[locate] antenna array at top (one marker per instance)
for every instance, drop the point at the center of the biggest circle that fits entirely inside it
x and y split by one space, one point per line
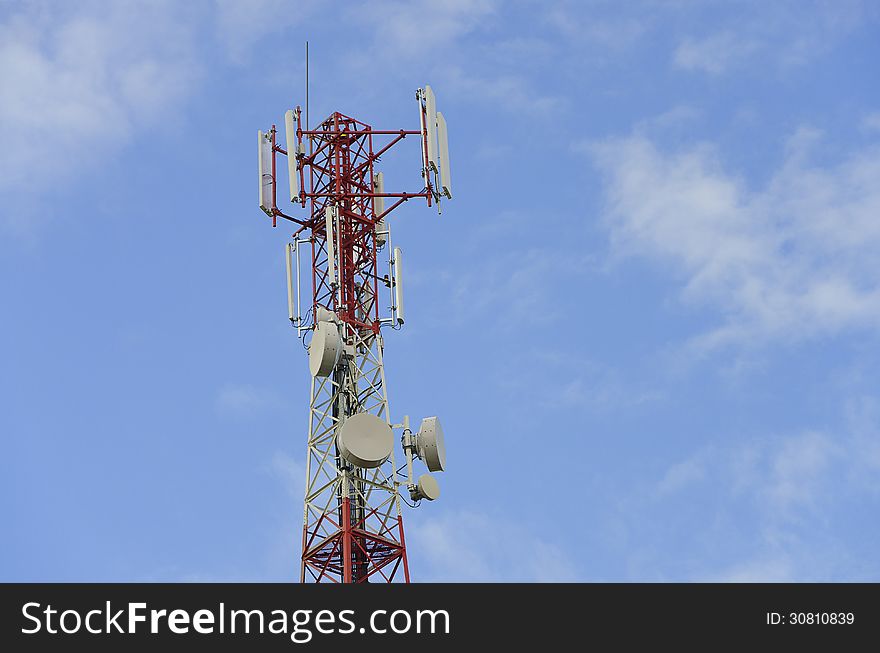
436 145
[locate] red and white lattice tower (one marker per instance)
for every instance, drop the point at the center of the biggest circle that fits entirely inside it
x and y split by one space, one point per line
352 526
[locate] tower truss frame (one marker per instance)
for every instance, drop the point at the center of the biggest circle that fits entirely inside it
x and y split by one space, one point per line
352 520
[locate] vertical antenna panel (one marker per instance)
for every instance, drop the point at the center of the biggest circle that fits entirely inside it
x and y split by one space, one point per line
431 126
398 285
378 187
290 129
331 254
379 209
265 157
445 178
291 314
299 320
420 94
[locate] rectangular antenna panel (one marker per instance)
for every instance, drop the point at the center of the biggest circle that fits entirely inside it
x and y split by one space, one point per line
331 254
291 313
398 285
379 209
266 180
431 127
378 187
445 179
293 173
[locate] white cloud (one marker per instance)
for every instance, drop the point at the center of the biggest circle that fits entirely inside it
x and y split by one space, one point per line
520 288
587 386
243 400
423 27
765 569
242 25
291 472
467 546
793 258
507 91
522 274
77 79
714 54
585 27
785 492
798 469
871 122
863 417
439 41
778 34
683 474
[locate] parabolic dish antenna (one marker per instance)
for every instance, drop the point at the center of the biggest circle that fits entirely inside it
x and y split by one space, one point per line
432 448
428 487
324 349
365 440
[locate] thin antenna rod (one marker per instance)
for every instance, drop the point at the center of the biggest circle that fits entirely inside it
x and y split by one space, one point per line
307 96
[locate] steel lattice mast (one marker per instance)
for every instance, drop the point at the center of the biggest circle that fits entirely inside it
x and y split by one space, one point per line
352 521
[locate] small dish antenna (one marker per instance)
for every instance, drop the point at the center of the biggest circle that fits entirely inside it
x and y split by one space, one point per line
427 488
324 350
365 441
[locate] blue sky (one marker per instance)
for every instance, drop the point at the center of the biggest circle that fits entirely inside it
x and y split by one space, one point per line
648 320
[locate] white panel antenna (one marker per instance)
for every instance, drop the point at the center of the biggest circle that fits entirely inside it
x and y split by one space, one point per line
331 254
266 180
431 127
398 286
291 306
293 173
379 209
445 178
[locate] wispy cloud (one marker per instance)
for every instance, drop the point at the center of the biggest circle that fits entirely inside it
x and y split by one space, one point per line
609 32
765 569
716 53
242 26
777 497
792 258
441 41
768 35
243 400
291 472
509 92
76 81
465 545
871 122
423 27
797 470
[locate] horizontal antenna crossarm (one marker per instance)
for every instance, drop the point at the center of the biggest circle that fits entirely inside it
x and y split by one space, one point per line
360 132
405 196
375 156
289 217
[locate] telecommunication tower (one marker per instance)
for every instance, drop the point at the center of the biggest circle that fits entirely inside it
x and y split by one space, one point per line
342 252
